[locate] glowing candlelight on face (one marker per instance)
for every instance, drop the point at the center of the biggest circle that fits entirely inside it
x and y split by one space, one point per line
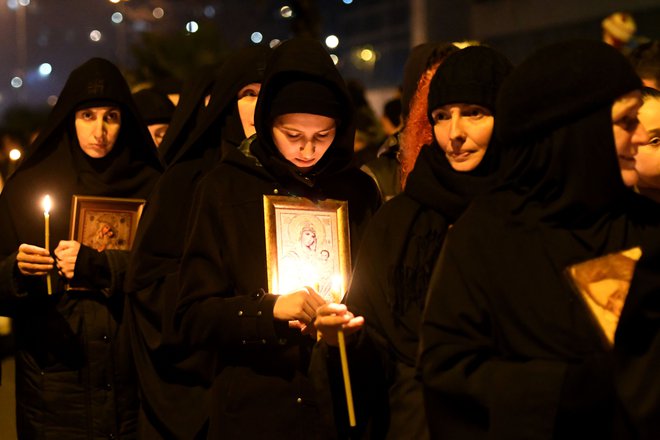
47 205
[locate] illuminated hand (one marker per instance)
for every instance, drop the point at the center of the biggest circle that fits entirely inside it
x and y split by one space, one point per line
67 254
332 317
300 305
33 260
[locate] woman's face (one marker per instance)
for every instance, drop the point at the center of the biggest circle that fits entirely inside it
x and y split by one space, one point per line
648 156
303 138
247 101
629 134
97 129
463 131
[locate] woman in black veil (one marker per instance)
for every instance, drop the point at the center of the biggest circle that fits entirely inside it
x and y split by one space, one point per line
74 372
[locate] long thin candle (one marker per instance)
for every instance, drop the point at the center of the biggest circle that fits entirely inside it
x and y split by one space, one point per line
46 204
347 378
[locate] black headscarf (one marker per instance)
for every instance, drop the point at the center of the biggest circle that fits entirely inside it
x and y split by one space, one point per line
188 112
554 114
320 74
473 76
154 107
421 58
56 165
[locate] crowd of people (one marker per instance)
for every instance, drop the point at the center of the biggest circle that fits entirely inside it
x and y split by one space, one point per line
504 249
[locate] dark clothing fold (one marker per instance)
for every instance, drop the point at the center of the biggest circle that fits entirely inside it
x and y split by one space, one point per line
174 379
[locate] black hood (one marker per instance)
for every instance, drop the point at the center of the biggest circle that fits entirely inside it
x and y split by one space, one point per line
284 68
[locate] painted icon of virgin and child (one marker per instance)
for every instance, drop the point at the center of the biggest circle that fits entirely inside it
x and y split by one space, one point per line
309 257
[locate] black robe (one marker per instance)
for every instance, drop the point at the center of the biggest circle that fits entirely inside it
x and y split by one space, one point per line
262 388
174 390
509 347
74 372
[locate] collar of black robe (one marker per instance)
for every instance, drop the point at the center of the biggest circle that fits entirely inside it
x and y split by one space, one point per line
153 257
305 59
435 184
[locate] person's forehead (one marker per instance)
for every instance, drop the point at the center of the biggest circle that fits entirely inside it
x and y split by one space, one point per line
103 109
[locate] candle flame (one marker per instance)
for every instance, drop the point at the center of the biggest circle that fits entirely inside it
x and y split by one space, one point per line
15 154
46 204
337 287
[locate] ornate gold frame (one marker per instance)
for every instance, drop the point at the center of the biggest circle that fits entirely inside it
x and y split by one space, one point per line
118 208
282 214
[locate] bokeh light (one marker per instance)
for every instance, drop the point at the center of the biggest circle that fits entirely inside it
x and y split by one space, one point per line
332 41
209 12
286 11
367 55
158 13
192 27
16 82
95 35
256 37
335 58
45 69
117 17
14 154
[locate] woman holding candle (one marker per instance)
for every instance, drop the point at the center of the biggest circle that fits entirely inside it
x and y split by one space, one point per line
303 148
74 376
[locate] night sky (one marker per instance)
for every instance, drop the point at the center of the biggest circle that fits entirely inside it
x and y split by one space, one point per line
58 32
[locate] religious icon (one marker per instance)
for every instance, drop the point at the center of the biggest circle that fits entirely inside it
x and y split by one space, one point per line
105 223
307 244
603 284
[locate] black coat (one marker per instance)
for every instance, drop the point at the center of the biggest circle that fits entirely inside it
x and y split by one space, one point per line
262 388
74 371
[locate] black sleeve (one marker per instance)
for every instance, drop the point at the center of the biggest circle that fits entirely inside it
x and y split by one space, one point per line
13 285
471 389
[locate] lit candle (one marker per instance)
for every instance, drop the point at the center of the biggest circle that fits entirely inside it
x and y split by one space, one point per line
46 205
